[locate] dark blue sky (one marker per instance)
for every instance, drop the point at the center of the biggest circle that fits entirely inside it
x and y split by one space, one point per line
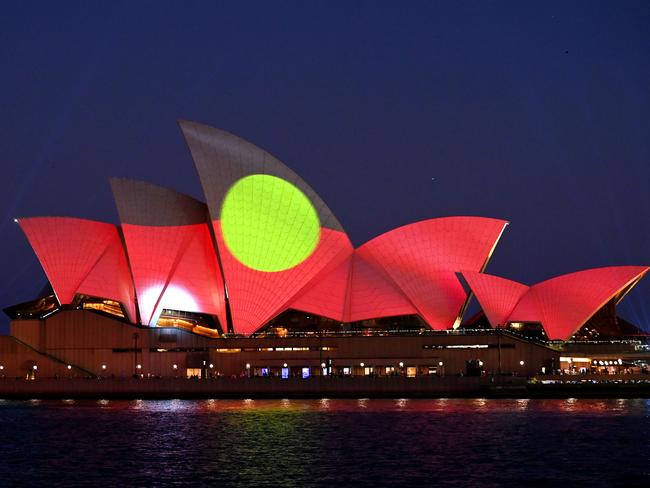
536 112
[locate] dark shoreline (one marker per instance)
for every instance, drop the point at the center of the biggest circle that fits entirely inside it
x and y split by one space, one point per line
324 387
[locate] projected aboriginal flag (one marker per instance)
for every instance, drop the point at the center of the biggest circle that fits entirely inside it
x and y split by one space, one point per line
274 233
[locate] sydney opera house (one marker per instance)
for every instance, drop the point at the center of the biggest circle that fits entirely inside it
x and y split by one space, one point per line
260 279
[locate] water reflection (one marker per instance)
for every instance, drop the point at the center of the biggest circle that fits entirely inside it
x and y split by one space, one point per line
480 403
569 406
326 442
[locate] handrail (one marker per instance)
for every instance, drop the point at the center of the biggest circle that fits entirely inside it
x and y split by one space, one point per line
54 358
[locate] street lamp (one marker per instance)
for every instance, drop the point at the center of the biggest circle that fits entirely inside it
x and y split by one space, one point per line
135 352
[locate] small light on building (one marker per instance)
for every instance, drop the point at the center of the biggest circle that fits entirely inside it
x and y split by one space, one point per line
480 363
139 366
284 365
248 365
322 365
103 366
211 365
2 367
440 363
362 365
175 366
620 361
69 366
34 367
16 221
401 364
521 363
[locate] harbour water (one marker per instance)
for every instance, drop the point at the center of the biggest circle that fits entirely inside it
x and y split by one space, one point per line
302 443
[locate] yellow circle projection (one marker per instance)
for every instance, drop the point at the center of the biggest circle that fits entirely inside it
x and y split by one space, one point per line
268 224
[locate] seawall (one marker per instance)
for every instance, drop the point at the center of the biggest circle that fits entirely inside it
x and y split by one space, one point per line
327 387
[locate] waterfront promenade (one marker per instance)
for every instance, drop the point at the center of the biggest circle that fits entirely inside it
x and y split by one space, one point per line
593 386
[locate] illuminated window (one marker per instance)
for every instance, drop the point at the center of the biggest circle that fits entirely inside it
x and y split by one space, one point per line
305 373
110 307
411 371
575 360
193 372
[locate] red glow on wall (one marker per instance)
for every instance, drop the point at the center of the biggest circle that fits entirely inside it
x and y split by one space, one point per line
327 296
354 290
373 294
563 304
174 267
410 270
422 260
258 296
81 256
497 296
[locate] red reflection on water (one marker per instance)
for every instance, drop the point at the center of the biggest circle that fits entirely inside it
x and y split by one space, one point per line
485 406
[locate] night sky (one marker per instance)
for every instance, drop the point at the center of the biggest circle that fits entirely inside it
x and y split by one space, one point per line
534 112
